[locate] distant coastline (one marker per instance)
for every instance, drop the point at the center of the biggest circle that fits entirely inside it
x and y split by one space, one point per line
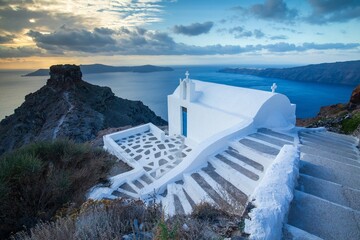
346 73
100 68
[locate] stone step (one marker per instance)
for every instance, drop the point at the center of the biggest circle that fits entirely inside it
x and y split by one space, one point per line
189 199
195 191
263 159
240 181
330 191
337 150
342 136
322 139
234 191
323 218
168 204
138 183
263 142
244 160
218 199
147 179
338 137
129 187
332 171
186 205
276 134
293 233
179 210
266 138
242 170
124 194
223 191
318 152
340 159
259 147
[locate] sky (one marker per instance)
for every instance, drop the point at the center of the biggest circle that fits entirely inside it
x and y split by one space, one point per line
38 33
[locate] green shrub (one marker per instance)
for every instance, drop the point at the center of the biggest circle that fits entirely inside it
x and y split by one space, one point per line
349 125
39 179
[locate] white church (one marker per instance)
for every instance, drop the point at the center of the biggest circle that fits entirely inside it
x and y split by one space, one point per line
229 145
197 110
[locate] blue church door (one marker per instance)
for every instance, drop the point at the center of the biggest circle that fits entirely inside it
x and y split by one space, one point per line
184 121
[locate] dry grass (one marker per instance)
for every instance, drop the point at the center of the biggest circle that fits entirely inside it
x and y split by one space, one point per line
98 220
112 219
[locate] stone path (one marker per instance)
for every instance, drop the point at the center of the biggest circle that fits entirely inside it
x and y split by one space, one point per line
62 119
230 176
155 155
327 199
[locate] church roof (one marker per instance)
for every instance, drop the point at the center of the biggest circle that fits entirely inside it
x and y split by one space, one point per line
234 100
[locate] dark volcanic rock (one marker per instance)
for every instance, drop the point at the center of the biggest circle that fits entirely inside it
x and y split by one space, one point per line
355 96
68 107
64 76
339 72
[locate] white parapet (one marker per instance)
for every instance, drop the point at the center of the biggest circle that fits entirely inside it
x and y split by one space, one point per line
273 196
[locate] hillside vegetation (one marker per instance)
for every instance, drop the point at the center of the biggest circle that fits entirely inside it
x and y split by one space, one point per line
39 179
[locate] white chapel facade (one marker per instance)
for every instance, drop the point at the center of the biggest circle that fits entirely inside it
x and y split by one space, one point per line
198 110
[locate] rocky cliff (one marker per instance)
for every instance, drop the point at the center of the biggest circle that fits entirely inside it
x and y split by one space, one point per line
68 107
347 73
340 118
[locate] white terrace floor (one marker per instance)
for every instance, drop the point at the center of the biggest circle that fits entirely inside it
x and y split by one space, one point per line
156 156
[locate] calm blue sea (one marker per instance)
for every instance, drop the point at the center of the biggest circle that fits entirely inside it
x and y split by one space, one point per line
152 88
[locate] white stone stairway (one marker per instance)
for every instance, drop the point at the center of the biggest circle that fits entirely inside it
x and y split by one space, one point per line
326 202
230 176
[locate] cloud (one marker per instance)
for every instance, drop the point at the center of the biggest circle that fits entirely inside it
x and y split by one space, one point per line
278 37
333 11
275 10
11 52
104 31
288 47
6 38
194 29
67 39
17 19
47 15
287 29
327 46
140 41
240 32
258 33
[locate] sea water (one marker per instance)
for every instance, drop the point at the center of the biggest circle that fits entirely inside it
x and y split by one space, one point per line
153 88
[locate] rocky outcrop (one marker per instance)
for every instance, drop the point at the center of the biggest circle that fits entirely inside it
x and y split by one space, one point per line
68 107
355 96
340 118
347 73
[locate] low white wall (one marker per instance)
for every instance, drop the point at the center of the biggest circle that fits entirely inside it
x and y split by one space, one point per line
273 196
129 132
160 134
111 146
199 156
